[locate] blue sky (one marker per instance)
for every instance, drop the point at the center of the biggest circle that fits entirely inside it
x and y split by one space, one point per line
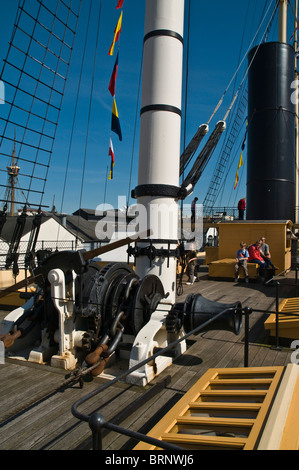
220 34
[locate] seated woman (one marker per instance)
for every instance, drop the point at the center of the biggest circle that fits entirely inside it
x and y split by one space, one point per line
256 257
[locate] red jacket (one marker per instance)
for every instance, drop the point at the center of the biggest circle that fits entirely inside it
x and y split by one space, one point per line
254 253
242 204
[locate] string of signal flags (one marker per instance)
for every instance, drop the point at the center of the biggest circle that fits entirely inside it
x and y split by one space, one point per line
115 123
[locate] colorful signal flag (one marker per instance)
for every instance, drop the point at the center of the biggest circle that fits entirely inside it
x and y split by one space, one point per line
117 32
115 124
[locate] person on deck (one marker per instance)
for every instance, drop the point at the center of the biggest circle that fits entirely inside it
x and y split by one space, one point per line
241 208
241 261
191 268
265 253
256 257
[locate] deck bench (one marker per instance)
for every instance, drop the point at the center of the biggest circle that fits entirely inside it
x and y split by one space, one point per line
224 268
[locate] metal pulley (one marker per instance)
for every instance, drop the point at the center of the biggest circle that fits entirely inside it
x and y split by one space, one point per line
149 294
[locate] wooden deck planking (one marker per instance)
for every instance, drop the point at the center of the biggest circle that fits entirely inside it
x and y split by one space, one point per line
75 433
50 424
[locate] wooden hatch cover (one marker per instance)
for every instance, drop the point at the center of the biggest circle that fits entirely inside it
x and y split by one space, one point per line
225 409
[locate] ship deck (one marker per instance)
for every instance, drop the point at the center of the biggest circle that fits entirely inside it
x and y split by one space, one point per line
36 413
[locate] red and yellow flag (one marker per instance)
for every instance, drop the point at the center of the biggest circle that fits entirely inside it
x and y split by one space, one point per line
237 174
113 78
117 32
115 124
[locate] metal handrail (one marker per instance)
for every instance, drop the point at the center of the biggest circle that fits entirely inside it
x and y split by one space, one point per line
97 423
96 420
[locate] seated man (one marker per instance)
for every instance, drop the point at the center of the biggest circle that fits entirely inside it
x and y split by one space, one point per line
265 253
256 257
241 261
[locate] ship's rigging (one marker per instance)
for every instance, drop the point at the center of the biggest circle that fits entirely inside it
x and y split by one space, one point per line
35 72
235 122
39 56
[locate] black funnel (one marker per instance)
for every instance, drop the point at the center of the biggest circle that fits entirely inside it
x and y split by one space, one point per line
271 161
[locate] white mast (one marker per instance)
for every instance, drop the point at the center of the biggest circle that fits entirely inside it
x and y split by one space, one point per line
160 137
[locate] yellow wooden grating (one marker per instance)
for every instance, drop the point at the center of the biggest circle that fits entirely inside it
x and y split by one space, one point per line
289 305
225 409
288 324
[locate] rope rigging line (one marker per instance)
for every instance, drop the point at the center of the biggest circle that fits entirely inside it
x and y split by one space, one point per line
134 135
5 62
248 68
240 64
186 156
75 117
90 102
36 114
70 11
189 151
187 74
225 154
55 17
89 115
206 153
48 84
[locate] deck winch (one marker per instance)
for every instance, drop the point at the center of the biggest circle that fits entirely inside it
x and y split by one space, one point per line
84 313
79 306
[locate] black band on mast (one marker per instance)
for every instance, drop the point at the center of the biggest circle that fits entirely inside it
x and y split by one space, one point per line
159 190
161 107
163 32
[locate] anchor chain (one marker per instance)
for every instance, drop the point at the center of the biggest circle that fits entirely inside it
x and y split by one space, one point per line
98 359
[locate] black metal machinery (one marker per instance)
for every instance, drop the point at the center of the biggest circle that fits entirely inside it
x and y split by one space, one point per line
197 311
96 308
